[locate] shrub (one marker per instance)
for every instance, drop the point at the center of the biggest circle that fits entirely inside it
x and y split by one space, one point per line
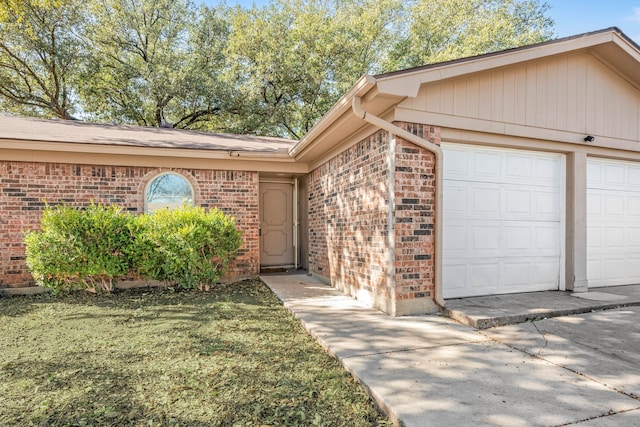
79 248
91 248
186 246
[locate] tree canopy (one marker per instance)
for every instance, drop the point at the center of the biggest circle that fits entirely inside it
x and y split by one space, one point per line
272 70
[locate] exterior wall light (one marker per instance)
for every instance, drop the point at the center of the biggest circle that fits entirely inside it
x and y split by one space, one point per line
589 138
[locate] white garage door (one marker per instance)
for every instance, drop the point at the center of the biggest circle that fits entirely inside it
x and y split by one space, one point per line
613 222
503 221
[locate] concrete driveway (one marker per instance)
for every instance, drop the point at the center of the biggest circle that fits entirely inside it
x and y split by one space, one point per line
431 371
602 347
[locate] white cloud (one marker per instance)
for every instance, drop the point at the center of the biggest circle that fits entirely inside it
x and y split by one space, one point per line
635 17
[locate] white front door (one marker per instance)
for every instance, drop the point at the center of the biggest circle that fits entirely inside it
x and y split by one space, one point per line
613 222
503 220
276 224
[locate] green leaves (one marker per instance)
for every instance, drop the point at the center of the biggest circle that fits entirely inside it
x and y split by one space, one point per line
293 59
273 70
91 248
188 246
39 50
79 248
150 62
442 30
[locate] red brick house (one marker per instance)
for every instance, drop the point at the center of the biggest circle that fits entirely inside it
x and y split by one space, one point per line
515 171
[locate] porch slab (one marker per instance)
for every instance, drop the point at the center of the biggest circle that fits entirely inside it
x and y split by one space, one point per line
500 310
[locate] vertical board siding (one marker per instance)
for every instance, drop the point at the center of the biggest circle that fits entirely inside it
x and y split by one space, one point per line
575 93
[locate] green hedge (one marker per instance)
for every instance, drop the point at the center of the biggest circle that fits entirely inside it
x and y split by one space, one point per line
189 246
90 248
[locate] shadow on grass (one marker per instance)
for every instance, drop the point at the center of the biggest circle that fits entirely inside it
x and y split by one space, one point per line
160 357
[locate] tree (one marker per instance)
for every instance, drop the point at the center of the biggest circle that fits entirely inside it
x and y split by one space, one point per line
39 53
154 62
441 30
273 70
293 59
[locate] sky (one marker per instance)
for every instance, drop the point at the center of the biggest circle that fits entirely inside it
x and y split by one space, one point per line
571 16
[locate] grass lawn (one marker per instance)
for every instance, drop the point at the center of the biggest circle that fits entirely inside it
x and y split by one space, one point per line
232 356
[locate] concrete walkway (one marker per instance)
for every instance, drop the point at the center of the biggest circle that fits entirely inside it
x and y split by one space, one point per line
431 371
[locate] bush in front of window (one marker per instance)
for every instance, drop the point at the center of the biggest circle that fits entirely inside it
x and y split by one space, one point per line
75 248
188 247
93 247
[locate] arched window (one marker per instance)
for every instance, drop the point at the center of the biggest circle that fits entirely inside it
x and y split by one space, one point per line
168 190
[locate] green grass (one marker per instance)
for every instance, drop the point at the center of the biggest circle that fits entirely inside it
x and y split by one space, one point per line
232 356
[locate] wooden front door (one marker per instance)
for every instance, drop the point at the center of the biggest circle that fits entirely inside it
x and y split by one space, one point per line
276 224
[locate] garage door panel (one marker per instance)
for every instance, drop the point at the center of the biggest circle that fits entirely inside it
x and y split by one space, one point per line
613 222
546 271
517 274
594 270
594 204
457 277
613 174
547 239
633 176
500 166
633 207
456 164
594 239
518 201
613 271
613 268
486 201
490 239
486 239
486 277
594 175
613 238
633 238
502 220
486 166
548 171
457 200
547 204
519 167
614 205
519 238
456 240
634 268
471 200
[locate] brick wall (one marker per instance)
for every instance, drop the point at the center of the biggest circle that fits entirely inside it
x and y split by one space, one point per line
24 186
374 248
414 215
348 219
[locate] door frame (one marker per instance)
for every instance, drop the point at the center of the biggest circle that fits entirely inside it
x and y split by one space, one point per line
294 206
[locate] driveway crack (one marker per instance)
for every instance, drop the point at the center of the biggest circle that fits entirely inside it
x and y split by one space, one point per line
575 371
543 337
608 414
